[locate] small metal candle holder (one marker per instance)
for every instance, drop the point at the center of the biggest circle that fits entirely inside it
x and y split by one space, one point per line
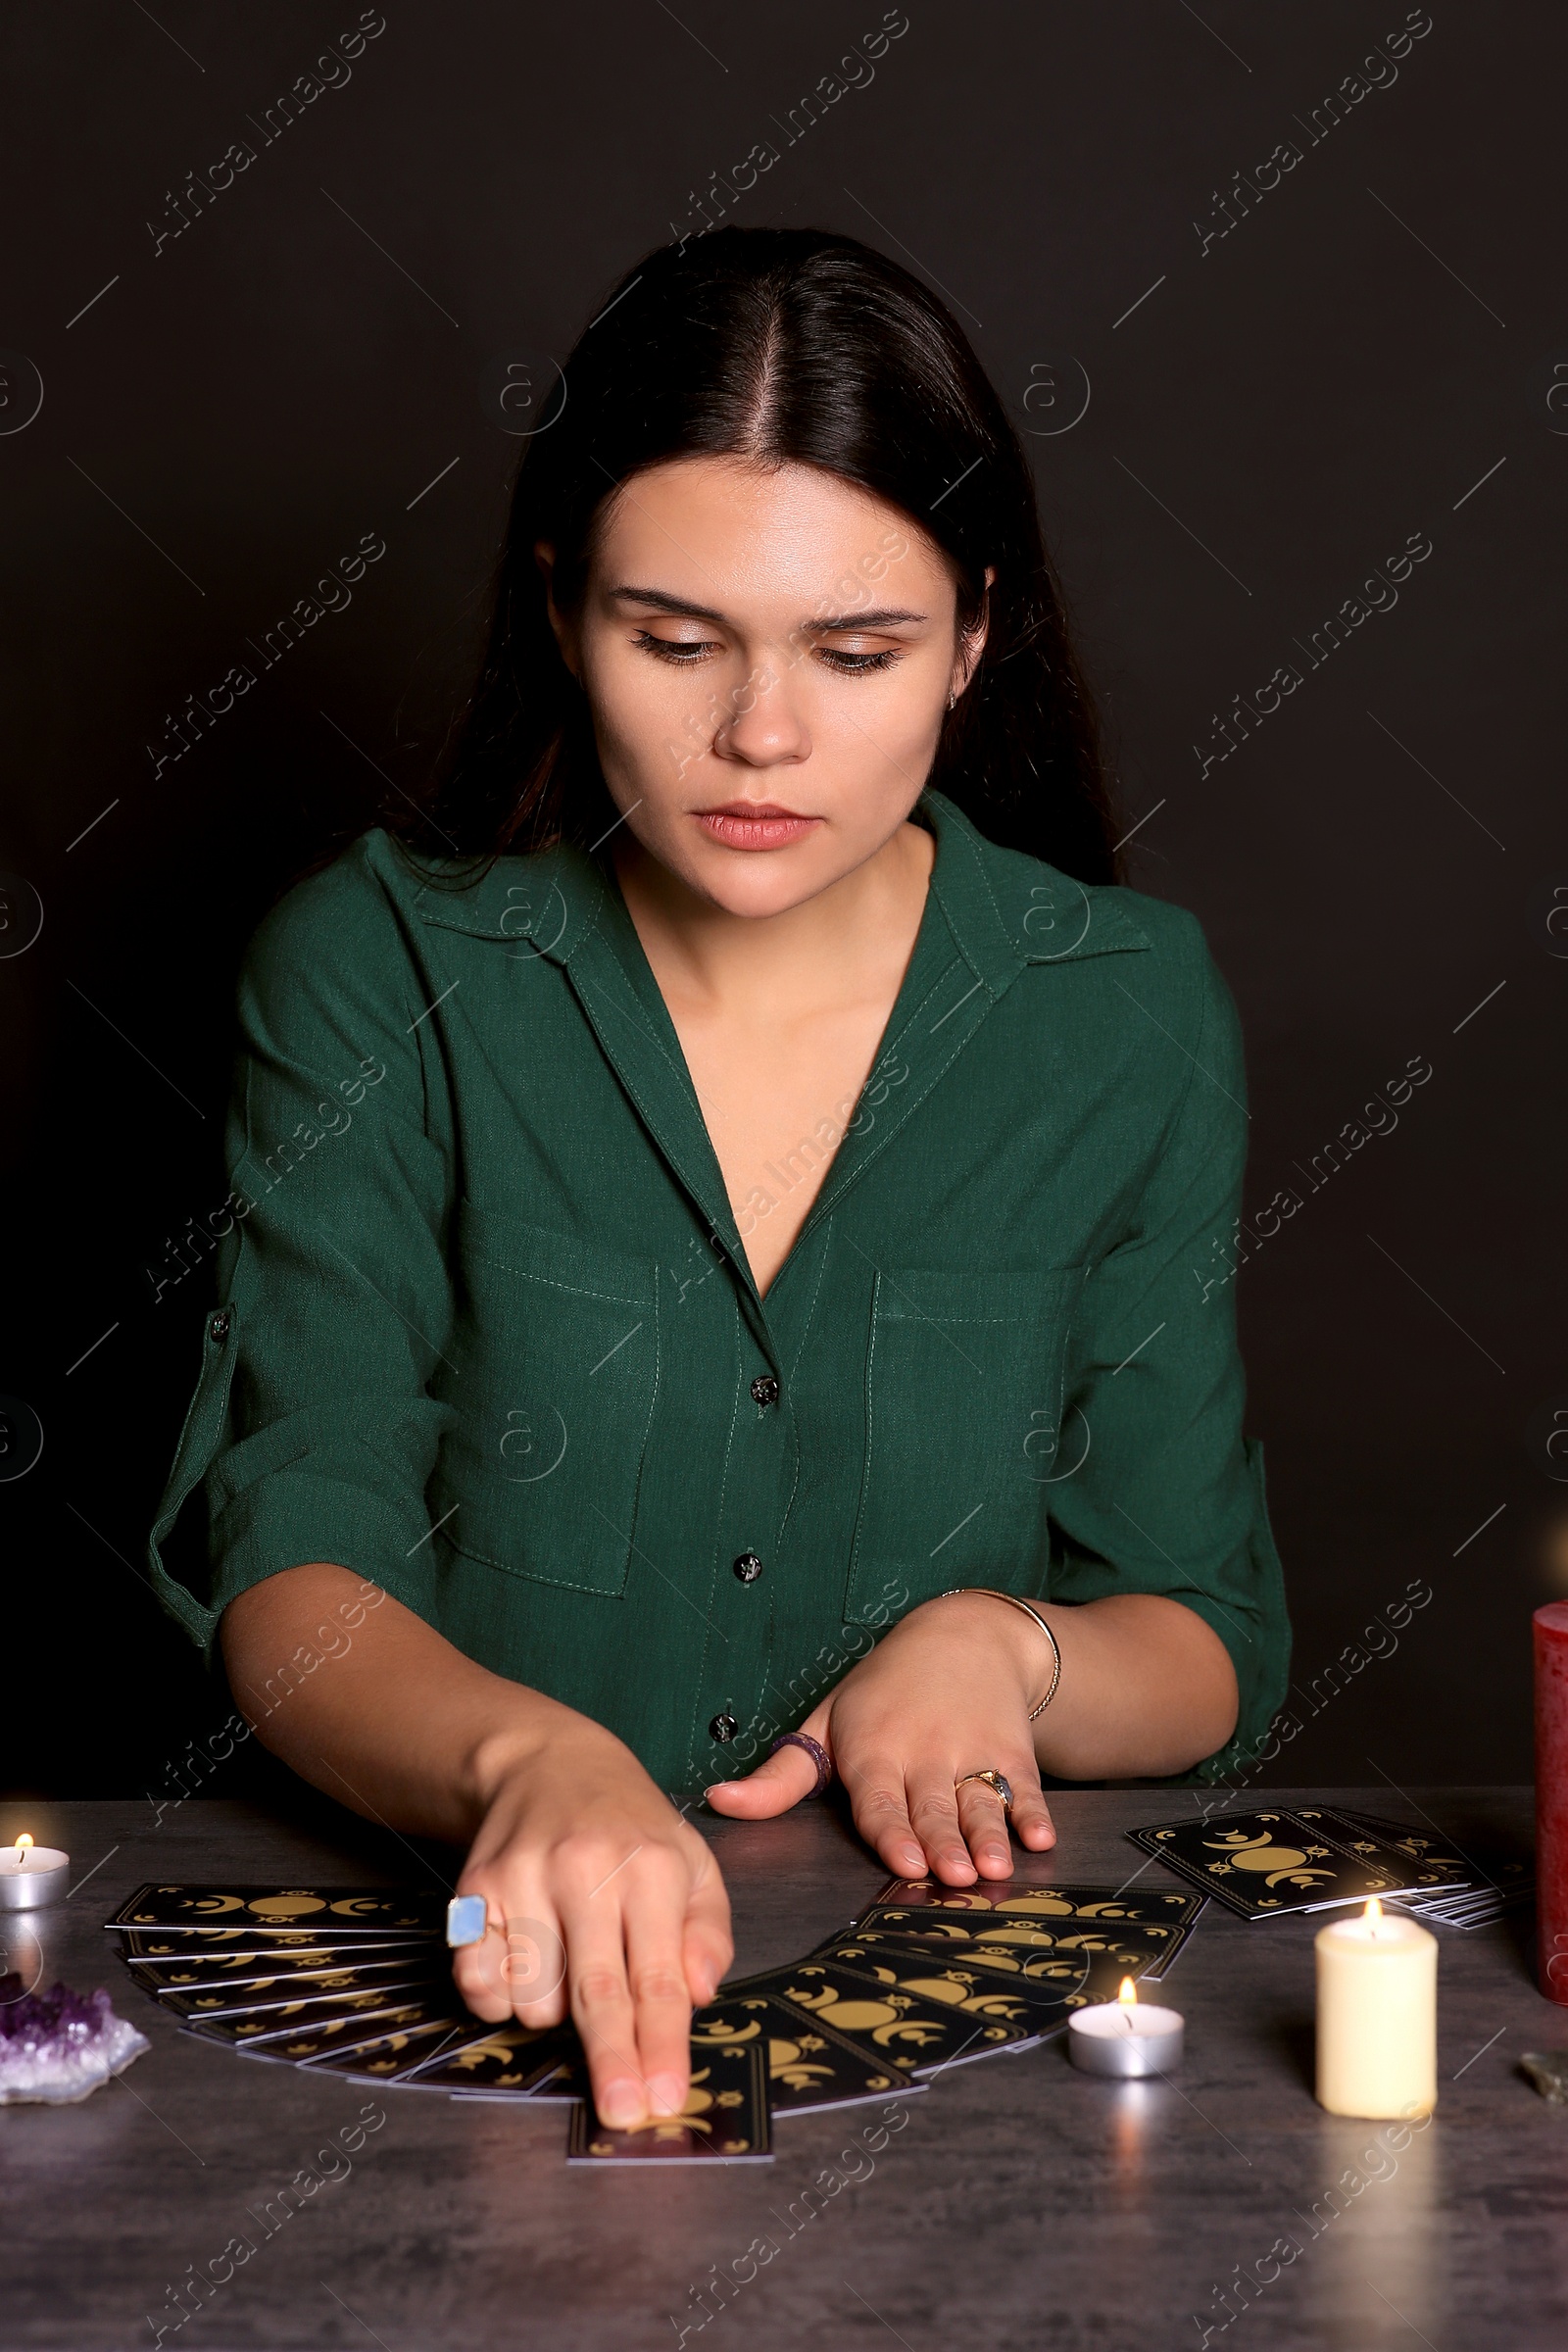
1126 2039
31 1876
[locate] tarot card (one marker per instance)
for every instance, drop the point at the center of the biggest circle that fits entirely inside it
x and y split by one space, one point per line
1264 1865
504 2061
1053 1969
1069 1979
1010 1933
1436 1863
386 2057
724 2119
1507 1886
972 1931
348 1911
1172 1952
562 2084
1012 1899
311 2028
809 2066
289 1992
244 1948
909 2032
236 1971
516 2056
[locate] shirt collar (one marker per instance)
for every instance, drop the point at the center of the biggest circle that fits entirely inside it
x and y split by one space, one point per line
989 915
1008 910
550 900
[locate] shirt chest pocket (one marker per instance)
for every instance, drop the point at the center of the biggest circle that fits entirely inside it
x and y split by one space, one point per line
553 1381
963 1441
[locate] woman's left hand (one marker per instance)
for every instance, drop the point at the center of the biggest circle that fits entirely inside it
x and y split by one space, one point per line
946 1692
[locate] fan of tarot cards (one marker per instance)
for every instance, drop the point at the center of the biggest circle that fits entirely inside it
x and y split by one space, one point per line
357 1980
1312 1857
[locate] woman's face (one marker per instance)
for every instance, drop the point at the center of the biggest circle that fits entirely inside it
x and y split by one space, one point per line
767 655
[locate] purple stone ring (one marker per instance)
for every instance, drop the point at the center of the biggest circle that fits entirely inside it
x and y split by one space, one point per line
815 1749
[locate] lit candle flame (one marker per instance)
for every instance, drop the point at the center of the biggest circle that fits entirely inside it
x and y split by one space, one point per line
1128 1995
1373 1913
23 1843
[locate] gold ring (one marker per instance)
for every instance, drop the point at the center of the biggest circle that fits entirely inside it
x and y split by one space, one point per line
997 1782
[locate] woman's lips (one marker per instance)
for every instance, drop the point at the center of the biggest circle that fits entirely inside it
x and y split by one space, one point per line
758 825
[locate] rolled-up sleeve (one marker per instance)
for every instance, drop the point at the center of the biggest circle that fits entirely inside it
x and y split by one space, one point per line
1160 1491
312 1433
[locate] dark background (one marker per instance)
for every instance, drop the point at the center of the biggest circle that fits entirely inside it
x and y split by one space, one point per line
1268 418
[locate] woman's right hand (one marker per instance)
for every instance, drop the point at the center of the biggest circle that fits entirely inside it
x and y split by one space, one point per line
613 1905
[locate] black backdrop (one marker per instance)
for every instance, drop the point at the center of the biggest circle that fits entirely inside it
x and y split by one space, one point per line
1271 291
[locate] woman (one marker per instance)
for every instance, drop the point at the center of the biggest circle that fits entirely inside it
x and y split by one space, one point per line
754 1187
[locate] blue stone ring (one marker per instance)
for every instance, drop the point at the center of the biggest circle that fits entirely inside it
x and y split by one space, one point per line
466 1918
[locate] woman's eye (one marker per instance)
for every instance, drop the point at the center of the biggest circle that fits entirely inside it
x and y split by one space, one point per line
685 651
673 649
854 664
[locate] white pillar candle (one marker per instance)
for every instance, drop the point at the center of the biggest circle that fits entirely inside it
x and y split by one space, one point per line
1377 2016
31 1876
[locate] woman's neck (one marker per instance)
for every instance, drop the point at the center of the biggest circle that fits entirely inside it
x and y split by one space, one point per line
829 951
780 1018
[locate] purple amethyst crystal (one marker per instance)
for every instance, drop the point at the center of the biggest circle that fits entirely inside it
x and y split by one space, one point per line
59 2046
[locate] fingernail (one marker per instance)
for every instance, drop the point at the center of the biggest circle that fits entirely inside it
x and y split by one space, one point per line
666 2096
620 2104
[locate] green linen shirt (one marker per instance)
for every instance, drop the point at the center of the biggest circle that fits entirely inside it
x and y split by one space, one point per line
486 1334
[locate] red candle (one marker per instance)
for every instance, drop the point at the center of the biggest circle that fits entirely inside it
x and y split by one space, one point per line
1551 1799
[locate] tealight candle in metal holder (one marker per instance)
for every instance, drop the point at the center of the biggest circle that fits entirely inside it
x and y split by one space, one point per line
31 1876
1125 2037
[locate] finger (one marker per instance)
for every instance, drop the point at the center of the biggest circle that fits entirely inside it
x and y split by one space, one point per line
478 1970
934 1818
983 1819
876 1799
661 2006
482 1971
535 1969
602 2009
1032 1824
708 1946
778 1782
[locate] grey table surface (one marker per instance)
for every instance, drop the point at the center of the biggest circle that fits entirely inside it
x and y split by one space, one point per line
1019 2203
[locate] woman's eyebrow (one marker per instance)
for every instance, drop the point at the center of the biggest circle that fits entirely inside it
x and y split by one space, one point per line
885 617
666 603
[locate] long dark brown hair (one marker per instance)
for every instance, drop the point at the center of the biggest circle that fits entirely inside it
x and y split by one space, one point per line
780 346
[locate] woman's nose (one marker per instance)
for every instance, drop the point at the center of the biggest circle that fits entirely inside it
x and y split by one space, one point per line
761 724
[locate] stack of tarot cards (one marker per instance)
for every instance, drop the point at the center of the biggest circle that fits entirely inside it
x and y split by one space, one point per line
358 1981
1489 1884
1269 1864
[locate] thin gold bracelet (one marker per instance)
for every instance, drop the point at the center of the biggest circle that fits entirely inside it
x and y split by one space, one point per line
1029 1610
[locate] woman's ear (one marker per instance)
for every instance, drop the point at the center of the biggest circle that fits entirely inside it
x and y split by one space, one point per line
544 554
972 640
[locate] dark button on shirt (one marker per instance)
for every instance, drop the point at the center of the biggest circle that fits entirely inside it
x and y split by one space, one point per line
764 1390
490 1305
724 1729
748 1567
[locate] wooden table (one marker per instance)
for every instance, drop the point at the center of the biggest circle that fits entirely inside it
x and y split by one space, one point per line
1018 2204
